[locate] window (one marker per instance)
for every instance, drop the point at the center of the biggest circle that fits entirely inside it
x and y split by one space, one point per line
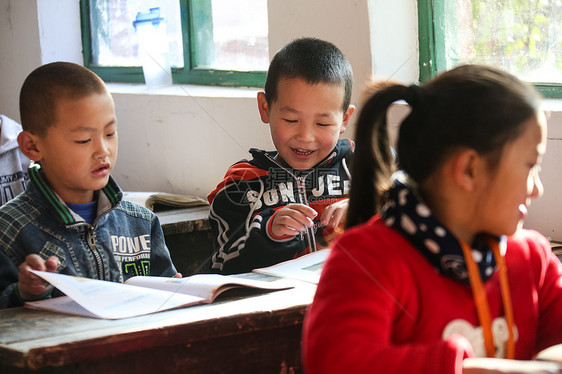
211 42
521 36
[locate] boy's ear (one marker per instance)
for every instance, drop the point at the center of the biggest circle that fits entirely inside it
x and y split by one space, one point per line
263 107
28 145
346 118
467 168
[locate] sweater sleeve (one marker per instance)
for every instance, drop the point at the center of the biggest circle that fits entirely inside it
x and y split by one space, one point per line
359 301
549 280
240 227
8 282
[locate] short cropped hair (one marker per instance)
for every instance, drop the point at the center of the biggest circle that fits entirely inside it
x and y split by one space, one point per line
315 60
47 85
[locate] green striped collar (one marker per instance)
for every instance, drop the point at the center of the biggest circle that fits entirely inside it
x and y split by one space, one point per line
111 191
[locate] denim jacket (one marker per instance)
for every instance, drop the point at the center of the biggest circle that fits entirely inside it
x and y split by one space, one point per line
124 240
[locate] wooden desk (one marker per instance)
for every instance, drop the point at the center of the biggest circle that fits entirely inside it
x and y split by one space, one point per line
187 233
259 334
180 221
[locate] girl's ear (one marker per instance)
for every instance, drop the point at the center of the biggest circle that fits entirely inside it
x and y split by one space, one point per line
28 145
467 168
346 118
263 107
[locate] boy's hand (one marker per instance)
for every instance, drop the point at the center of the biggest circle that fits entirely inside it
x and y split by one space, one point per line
292 219
30 285
333 214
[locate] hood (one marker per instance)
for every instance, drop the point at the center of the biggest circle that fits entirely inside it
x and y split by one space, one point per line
9 133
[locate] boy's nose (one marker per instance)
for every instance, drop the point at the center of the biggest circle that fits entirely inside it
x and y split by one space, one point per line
305 133
102 150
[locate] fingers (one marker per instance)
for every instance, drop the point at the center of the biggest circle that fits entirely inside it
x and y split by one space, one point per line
52 264
35 262
292 219
334 214
177 275
31 285
305 210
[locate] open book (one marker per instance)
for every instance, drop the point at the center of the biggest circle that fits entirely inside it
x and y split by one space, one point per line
139 295
145 294
305 268
491 365
553 354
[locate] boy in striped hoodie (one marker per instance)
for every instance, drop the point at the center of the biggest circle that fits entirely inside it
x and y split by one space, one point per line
289 202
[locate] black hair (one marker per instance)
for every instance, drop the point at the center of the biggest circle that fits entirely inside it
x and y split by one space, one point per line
471 106
316 61
45 86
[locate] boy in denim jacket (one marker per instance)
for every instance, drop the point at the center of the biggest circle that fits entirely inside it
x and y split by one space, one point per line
71 218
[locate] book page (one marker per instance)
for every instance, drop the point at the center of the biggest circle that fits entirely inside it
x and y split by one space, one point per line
63 304
306 268
486 365
553 354
110 300
206 286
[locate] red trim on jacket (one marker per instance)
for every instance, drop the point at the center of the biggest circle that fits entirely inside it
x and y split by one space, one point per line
242 171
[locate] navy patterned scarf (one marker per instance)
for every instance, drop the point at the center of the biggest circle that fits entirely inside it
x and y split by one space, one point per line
406 213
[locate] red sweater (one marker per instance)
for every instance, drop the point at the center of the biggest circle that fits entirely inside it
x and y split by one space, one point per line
381 307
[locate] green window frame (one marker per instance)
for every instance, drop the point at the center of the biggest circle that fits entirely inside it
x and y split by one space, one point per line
193 12
433 15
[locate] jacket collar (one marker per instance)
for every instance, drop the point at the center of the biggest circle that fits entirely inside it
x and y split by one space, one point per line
263 159
108 199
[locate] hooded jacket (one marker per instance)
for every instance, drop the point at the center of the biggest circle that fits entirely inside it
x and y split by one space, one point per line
252 192
124 240
13 164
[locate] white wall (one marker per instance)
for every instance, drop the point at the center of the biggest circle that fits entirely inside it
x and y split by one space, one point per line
394 40
344 23
20 50
545 214
183 138
183 143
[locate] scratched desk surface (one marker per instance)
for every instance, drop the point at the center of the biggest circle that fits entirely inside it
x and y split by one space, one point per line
259 333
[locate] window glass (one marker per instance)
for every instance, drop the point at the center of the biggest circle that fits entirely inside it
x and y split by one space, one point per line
211 42
239 37
520 36
115 41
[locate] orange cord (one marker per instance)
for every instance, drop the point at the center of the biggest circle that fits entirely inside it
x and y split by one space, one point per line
506 298
481 301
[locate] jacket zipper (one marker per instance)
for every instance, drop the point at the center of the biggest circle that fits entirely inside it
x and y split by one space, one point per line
97 257
301 194
302 199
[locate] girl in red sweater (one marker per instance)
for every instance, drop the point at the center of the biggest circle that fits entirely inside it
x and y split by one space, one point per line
434 268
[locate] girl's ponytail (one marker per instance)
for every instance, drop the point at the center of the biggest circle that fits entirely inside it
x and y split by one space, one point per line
471 106
373 161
